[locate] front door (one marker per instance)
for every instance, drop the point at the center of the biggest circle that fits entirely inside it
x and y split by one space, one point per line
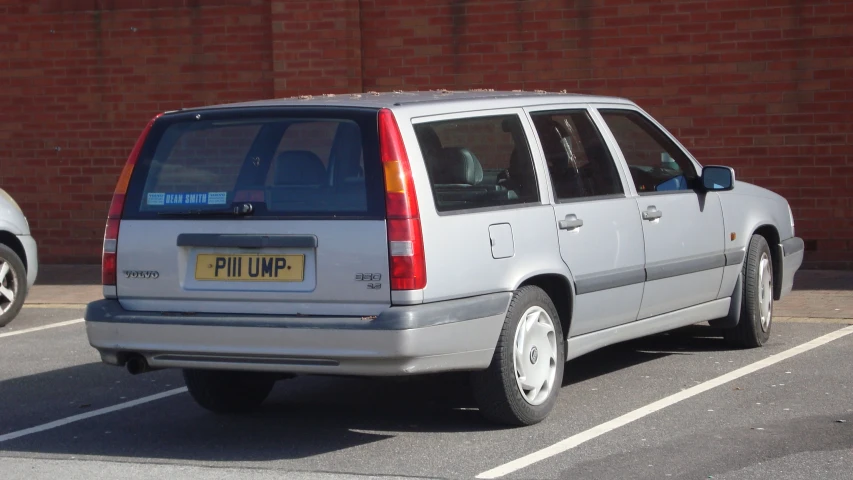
683 227
600 231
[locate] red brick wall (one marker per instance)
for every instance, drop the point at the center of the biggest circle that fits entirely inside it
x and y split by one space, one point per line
316 46
78 85
765 86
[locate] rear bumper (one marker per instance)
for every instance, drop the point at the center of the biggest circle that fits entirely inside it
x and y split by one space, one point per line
792 259
406 340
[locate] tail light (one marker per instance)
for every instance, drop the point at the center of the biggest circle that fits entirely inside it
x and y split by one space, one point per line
405 238
108 256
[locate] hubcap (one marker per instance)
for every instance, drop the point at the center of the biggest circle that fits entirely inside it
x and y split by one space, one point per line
8 287
765 291
535 355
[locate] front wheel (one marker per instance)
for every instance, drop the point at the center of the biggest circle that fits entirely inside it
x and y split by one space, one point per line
521 384
228 391
756 315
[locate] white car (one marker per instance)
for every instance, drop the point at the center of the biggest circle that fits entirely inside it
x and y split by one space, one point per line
18 258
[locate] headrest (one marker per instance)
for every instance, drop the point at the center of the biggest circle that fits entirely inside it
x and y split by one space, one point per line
510 125
299 167
455 165
346 151
428 140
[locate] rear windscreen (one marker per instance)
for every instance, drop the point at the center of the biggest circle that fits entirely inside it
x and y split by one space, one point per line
297 163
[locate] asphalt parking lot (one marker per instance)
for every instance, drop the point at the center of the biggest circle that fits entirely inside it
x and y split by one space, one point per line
679 405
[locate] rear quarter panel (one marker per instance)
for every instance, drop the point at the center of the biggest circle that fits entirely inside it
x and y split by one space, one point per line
459 254
457 245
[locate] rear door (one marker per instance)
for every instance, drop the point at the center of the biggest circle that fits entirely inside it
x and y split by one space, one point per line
600 232
257 211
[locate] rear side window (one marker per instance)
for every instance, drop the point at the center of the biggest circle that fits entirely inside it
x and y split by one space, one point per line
285 164
579 161
479 162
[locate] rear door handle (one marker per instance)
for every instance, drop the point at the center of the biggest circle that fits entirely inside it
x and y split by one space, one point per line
571 222
652 213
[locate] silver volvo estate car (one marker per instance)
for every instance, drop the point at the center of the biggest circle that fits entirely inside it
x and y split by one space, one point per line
497 233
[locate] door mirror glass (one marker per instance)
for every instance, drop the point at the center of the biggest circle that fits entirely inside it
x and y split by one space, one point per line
674 183
716 178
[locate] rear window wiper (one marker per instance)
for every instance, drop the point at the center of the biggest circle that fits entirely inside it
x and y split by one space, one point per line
239 210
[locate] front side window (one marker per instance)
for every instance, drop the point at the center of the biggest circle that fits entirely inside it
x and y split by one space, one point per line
655 162
578 160
478 162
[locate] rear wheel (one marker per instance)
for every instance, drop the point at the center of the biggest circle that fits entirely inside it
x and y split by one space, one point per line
228 391
756 315
521 384
13 285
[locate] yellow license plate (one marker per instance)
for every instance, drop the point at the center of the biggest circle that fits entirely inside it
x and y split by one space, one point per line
250 268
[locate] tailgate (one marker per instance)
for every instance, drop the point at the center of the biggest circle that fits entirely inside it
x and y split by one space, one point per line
264 211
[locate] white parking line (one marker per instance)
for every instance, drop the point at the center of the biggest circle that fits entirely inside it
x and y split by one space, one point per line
43 327
55 306
575 440
93 413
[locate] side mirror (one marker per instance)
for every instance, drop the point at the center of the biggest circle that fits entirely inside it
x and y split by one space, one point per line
717 178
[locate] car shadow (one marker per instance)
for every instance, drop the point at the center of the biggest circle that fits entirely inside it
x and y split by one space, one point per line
683 341
303 417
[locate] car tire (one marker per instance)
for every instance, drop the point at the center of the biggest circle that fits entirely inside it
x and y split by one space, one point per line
228 391
506 392
756 314
13 281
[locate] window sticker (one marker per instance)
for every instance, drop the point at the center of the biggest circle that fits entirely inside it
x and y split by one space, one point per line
156 198
193 198
216 198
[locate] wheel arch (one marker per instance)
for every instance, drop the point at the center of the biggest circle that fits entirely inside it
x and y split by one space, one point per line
10 240
771 234
561 291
